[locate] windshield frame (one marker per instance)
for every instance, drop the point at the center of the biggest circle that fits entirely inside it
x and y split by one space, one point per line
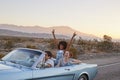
28 52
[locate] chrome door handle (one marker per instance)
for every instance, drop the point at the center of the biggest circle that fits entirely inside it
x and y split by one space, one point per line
67 69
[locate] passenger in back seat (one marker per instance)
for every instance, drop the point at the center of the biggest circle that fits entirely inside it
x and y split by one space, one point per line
67 61
62 46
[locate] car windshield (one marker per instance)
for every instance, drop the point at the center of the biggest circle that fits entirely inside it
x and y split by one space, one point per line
23 57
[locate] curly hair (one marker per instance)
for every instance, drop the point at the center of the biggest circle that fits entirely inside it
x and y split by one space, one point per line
63 43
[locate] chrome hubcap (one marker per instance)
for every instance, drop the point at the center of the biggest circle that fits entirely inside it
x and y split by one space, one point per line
82 79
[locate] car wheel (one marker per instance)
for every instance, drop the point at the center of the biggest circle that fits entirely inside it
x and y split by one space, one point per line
83 77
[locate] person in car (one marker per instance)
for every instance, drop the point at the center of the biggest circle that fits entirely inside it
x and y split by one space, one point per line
48 61
62 46
67 61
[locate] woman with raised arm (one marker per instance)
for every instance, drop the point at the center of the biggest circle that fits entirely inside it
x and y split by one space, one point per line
62 46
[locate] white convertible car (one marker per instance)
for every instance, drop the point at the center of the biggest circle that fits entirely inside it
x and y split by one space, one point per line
27 64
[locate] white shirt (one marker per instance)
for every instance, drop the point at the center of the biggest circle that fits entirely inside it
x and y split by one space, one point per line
50 61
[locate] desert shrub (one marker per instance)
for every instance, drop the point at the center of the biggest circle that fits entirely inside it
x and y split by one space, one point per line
31 46
105 46
73 52
1 55
31 39
107 38
116 47
52 45
9 44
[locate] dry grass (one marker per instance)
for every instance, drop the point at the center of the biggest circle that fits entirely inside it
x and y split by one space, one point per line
1 55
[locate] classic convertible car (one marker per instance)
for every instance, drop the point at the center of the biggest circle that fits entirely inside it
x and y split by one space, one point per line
27 64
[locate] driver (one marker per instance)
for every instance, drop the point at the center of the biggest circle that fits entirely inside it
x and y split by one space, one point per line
48 61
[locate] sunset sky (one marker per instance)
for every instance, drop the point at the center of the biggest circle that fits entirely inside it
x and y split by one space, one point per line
97 17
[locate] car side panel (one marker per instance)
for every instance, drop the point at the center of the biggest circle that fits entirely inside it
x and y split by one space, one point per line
61 73
21 75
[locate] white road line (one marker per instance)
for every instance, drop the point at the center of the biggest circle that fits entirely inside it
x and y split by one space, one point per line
107 65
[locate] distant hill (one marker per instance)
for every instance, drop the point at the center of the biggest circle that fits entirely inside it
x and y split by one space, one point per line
38 31
5 32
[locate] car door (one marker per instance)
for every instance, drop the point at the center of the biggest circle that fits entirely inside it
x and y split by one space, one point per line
24 75
59 73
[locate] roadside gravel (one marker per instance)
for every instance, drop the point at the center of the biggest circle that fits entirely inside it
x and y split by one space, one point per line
89 56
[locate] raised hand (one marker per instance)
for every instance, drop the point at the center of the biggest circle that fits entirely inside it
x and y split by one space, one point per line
53 31
74 34
55 40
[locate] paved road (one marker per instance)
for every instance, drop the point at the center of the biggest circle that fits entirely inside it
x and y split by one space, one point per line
109 72
108 68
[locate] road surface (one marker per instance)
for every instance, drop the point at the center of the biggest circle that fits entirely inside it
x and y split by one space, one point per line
108 68
109 72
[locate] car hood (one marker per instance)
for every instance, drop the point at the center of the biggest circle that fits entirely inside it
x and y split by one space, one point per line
6 68
9 72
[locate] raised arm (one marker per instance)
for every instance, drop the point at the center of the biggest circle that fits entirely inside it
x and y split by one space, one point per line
55 40
70 42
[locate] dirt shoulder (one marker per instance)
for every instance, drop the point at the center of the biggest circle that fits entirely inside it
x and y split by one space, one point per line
89 56
101 58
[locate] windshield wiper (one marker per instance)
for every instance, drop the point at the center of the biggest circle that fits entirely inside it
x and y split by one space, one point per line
16 64
13 61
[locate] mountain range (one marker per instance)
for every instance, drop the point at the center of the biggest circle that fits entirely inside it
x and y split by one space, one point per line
42 32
